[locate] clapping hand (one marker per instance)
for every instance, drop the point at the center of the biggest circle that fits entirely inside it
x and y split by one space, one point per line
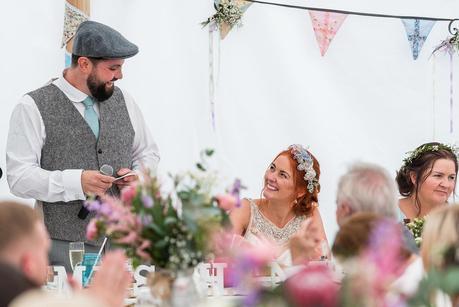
305 244
111 280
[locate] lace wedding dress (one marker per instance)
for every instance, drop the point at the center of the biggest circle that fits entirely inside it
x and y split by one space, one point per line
260 229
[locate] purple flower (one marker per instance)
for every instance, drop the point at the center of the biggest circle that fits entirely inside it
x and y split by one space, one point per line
146 220
105 209
147 201
252 298
235 191
92 205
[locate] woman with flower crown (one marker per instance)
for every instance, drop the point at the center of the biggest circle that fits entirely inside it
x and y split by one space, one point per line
289 198
426 179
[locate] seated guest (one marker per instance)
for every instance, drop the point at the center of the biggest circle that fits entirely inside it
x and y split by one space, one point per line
24 242
426 179
291 186
440 233
12 284
24 247
355 237
364 187
441 230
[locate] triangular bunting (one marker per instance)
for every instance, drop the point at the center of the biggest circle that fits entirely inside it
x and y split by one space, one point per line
73 16
225 27
417 31
325 26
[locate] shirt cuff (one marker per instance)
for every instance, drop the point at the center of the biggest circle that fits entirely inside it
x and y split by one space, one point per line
72 185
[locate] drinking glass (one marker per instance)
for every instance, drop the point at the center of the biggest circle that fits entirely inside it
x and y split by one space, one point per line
76 252
51 280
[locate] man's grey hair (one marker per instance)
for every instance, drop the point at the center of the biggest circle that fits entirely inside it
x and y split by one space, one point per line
368 187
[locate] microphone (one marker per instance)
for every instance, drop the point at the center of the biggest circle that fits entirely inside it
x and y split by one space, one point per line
105 170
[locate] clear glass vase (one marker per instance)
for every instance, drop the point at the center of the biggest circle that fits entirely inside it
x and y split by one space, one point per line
160 283
184 289
173 289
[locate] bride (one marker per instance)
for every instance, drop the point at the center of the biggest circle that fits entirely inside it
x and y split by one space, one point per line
289 197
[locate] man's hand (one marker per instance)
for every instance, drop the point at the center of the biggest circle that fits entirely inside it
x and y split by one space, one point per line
111 280
304 244
93 182
126 180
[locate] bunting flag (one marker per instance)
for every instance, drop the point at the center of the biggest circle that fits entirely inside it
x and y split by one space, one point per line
224 26
76 11
326 25
417 31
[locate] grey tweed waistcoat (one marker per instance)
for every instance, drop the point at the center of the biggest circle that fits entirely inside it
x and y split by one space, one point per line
71 144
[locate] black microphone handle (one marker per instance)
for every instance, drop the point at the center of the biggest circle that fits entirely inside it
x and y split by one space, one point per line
83 213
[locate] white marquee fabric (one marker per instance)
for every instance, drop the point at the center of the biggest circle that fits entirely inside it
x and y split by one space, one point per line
366 99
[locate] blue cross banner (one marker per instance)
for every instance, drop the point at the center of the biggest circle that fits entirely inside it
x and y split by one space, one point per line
417 31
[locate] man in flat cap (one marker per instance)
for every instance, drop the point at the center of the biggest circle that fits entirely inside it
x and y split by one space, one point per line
63 133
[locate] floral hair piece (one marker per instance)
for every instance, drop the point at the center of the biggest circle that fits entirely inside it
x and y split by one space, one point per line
305 163
412 155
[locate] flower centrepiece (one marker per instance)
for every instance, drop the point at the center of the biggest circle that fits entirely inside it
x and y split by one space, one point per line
170 230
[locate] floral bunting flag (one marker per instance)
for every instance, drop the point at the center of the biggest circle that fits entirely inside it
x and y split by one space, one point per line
326 25
76 11
227 24
417 31
72 19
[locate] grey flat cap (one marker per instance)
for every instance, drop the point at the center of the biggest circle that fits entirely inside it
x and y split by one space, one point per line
96 40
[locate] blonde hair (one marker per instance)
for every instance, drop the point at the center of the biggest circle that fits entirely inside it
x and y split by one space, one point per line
17 221
441 230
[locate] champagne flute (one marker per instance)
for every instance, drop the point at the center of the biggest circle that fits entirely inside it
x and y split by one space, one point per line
76 252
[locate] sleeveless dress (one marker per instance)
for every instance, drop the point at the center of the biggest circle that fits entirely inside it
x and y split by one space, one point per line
260 228
400 215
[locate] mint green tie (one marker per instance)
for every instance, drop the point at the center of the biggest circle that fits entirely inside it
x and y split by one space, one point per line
90 116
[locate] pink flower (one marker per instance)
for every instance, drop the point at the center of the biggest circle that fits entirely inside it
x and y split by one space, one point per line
91 230
129 239
140 251
259 254
313 286
128 194
227 201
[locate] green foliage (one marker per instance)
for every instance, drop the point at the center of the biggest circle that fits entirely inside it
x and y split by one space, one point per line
415 226
435 281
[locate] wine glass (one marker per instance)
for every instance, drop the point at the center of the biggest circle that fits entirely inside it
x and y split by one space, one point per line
76 252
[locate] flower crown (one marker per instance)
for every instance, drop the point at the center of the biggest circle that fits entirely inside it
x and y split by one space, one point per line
305 163
412 155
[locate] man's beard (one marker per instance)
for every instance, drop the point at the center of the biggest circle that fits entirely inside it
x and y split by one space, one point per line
99 89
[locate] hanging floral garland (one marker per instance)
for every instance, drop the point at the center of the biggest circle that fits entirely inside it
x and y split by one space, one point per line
227 12
450 45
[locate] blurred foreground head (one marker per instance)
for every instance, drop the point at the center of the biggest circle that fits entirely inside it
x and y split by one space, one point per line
366 187
24 241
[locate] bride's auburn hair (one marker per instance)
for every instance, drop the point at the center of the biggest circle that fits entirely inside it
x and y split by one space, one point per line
307 202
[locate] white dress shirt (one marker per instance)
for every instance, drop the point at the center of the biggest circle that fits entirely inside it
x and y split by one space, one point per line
26 138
